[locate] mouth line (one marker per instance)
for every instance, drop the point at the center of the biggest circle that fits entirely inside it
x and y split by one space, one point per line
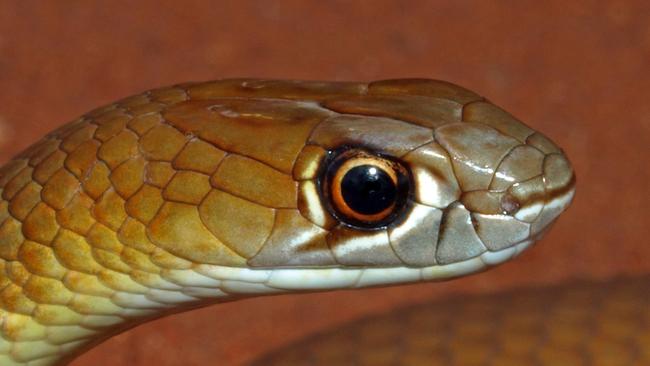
561 191
558 199
271 280
563 198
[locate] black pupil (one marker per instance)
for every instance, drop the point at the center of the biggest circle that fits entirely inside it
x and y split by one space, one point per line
368 190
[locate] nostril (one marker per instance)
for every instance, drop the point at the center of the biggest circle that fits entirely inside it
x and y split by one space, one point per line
509 204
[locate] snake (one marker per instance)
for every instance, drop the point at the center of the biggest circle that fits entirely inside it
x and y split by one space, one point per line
579 323
209 192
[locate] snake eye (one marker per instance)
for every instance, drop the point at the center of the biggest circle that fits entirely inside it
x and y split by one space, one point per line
365 190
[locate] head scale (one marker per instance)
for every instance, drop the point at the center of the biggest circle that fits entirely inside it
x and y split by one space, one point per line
392 181
451 183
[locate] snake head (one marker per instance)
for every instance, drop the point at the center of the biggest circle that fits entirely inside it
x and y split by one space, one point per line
405 180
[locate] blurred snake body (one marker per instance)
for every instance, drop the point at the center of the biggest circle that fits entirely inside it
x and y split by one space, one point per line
202 193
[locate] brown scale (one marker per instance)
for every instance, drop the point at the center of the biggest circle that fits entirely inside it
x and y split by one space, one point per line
581 324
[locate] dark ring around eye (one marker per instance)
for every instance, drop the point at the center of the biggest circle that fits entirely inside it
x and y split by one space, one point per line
365 190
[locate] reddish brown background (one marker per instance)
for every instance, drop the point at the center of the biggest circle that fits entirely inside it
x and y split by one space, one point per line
579 73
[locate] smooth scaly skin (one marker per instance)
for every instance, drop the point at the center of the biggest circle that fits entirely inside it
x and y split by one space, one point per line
581 324
209 192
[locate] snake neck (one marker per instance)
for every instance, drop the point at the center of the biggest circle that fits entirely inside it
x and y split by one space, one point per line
38 326
41 327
